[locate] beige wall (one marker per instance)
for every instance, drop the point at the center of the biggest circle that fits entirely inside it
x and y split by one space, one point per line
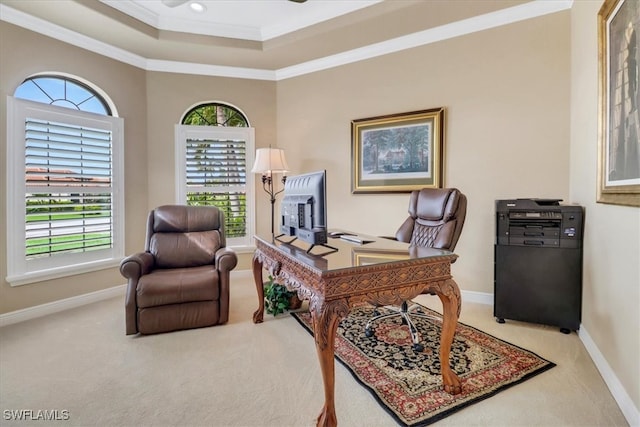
611 284
25 53
506 94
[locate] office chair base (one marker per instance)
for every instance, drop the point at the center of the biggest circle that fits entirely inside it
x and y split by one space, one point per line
404 312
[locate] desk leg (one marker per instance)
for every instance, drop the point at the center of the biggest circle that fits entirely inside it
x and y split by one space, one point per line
449 294
257 277
325 323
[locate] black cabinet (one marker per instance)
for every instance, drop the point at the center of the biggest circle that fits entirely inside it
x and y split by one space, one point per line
538 262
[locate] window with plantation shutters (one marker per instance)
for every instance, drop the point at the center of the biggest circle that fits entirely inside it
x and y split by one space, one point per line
64 187
68 176
213 152
212 171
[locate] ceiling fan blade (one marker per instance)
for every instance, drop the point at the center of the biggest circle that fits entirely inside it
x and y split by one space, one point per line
173 3
298 1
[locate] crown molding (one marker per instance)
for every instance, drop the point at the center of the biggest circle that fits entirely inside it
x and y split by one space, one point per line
62 34
499 18
209 70
444 32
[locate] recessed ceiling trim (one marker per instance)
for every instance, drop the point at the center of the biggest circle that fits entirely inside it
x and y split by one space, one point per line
238 31
215 30
479 23
132 9
339 8
432 35
209 70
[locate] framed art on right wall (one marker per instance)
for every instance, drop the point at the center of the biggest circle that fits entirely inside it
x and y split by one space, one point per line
619 99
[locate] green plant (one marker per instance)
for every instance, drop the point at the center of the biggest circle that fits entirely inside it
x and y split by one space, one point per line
276 296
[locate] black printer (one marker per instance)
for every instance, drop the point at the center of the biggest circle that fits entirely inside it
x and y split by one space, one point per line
539 222
538 262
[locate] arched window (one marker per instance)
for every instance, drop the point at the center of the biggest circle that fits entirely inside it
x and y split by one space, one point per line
215 147
65 168
64 92
215 114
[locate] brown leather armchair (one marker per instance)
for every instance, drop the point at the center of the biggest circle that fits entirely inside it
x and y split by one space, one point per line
181 280
436 217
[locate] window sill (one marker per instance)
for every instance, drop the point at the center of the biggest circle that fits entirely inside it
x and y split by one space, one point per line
56 273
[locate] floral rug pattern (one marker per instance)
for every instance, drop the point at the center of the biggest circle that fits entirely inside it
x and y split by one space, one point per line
408 384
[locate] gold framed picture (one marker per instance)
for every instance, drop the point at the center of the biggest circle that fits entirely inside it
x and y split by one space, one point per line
619 96
397 153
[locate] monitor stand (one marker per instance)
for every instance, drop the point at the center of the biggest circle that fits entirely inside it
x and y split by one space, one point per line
330 251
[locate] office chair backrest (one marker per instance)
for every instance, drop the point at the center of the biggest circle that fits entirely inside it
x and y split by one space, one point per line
184 236
436 217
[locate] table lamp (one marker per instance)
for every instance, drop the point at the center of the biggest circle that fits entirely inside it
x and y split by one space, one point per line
268 162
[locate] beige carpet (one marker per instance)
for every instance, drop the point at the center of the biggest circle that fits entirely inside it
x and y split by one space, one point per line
242 374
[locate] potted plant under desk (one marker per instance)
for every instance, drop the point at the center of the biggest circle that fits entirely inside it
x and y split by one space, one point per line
278 299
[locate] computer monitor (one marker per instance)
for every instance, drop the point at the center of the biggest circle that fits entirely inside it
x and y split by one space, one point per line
303 208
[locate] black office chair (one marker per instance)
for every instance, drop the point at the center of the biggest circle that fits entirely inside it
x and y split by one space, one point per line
436 217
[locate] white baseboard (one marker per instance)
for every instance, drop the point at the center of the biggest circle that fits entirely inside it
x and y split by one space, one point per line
477 297
60 305
620 395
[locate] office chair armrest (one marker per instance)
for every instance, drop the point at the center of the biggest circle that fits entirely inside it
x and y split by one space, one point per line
137 265
226 259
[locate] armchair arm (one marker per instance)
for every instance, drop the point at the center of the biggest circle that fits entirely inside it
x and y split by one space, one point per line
226 259
136 265
133 267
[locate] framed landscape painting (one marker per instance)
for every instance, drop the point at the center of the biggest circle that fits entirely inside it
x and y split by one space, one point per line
619 96
398 152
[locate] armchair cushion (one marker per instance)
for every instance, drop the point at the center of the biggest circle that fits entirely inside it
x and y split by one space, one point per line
180 219
177 286
178 250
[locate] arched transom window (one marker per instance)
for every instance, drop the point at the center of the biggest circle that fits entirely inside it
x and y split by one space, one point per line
215 114
63 92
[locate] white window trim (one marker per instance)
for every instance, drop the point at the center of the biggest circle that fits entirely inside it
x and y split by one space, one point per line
247 134
19 270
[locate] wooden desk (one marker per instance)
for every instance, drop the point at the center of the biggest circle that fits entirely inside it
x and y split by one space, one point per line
383 272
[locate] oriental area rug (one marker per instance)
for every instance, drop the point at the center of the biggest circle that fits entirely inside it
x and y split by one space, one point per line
408 384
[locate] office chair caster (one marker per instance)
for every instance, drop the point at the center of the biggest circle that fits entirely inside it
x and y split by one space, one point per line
368 332
418 348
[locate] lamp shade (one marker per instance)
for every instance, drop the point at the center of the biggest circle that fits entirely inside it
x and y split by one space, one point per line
269 160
